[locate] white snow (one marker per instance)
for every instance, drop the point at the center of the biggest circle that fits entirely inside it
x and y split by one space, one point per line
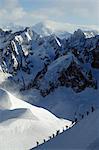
3 76
92 33
15 60
19 38
61 62
58 42
15 47
28 36
22 125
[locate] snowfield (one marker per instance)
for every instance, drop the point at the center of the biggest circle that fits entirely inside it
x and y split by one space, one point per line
23 126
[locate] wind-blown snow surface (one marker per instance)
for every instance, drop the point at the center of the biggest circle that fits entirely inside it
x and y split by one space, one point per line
83 136
22 124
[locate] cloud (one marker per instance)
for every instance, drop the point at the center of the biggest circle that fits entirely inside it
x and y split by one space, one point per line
11 11
10 4
68 26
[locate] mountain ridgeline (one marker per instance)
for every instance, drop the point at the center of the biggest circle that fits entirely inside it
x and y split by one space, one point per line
47 62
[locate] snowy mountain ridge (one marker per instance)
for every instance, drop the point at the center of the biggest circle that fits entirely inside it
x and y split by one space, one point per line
27 57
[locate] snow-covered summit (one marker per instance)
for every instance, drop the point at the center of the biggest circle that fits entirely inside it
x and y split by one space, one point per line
42 28
45 29
78 35
24 126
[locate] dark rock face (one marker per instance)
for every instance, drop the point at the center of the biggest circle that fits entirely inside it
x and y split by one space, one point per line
30 58
73 77
95 62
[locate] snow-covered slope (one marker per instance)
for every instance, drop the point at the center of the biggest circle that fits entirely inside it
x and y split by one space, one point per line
23 125
82 136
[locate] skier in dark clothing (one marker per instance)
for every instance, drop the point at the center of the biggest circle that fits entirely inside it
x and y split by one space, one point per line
92 109
57 132
76 120
37 143
87 113
82 116
50 137
66 127
53 135
44 140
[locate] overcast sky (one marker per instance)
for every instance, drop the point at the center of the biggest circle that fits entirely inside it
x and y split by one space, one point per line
58 13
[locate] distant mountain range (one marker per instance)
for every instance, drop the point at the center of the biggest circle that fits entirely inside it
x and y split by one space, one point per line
44 29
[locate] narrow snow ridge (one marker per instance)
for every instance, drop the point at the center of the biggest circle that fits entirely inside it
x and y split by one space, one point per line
83 136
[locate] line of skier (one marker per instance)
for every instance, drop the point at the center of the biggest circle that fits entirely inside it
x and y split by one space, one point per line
76 120
82 115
